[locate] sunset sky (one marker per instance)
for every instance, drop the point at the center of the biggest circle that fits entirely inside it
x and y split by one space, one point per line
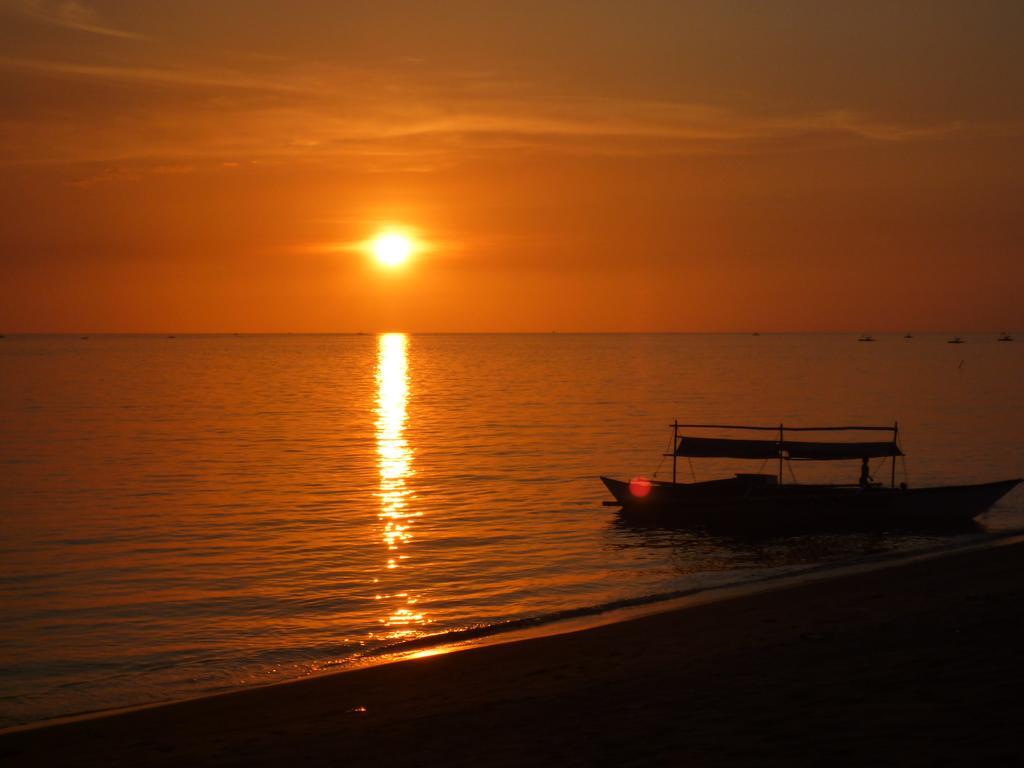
574 166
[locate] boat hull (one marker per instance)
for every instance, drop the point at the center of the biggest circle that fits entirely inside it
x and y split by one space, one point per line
746 505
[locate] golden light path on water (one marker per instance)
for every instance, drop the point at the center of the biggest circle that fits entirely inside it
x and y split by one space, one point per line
394 460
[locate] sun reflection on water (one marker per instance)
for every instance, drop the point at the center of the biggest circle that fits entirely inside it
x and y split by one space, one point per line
394 460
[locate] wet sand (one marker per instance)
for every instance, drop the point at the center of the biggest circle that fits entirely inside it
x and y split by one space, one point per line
916 664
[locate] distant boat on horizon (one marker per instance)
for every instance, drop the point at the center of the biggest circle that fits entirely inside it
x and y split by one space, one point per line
1004 336
866 337
955 340
908 336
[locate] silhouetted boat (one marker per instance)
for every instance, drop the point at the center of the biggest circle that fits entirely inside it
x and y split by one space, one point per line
866 337
908 336
1004 336
955 340
762 503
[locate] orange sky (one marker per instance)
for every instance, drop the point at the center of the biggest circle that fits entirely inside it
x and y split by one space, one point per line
665 166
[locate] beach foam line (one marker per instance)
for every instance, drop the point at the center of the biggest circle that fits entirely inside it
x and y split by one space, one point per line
627 609
578 620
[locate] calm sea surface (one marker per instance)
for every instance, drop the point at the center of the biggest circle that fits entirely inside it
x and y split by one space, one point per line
194 514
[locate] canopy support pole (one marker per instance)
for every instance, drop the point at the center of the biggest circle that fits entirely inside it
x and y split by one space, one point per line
780 453
895 435
675 446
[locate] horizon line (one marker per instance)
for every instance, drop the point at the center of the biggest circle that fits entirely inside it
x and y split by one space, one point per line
503 333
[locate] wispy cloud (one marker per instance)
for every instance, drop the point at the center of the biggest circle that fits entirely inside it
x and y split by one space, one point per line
69 14
146 75
406 119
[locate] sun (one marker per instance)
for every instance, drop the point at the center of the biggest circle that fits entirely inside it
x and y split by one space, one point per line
392 249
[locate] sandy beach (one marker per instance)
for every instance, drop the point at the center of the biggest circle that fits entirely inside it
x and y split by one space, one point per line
915 664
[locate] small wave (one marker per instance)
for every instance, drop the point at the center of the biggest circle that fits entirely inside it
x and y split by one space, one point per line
455 637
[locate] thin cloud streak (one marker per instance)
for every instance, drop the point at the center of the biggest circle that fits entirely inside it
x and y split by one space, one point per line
69 14
149 75
381 119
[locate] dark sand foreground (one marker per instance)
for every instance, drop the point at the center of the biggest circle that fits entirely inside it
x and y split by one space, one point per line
918 664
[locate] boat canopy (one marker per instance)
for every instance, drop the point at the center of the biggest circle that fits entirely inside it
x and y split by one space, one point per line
723 448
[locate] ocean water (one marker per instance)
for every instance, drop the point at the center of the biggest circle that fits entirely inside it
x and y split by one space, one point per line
186 515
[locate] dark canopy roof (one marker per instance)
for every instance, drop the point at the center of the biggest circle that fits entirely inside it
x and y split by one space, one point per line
716 447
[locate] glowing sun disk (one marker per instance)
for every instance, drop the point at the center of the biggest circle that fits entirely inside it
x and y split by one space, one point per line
391 248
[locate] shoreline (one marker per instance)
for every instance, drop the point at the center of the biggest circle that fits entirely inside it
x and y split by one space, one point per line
626 659
582 619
